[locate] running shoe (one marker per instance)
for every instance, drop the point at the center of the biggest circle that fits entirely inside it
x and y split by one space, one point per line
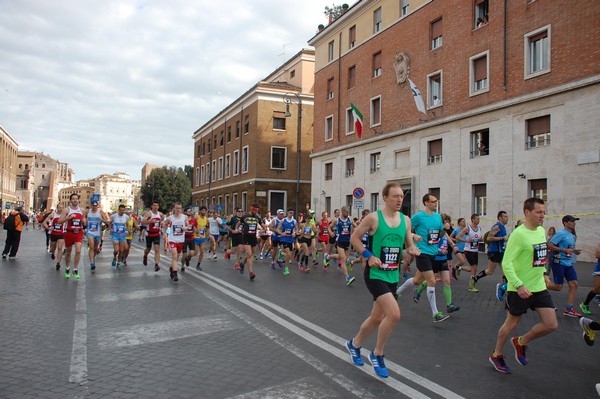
571 312
227 255
187 262
93 265
175 277
520 350
67 273
301 268
125 263
198 267
585 308
354 354
457 271
405 276
307 269
315 262
349 265
242 267
58 266
453 273
114 261
416 295
273 265
349 280
76 274
182 269
236 266
215 256
452 308
280 263
500 291
326 260
252 276
439 317
4 256
13 258
597 299
156 267
145 261
499 363
588 334
119 265
379 365
286 272
52 256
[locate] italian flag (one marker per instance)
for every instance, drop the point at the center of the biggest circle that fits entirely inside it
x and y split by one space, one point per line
358 120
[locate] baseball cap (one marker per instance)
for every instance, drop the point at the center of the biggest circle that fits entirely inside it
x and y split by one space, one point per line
569 218
94 203
280 212
311 211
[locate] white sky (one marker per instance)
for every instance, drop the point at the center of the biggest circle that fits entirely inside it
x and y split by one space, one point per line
109 85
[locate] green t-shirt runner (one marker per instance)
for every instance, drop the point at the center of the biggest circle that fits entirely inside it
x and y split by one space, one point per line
387 244
524 261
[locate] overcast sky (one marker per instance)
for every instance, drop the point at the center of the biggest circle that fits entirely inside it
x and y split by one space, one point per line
109 85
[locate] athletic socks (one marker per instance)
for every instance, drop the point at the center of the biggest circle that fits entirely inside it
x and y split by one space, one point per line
431 297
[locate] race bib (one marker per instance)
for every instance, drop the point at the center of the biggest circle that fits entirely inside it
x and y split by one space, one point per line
252 228
76 222
475 243
202 232
120 229
540 252
307 230
57 226
288 231
345 231
433 237
390 258
93 226
177 230
156 225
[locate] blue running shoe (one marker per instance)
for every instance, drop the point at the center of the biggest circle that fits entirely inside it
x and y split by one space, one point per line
114 262
500 291
499 363
354 354
379 365
93 265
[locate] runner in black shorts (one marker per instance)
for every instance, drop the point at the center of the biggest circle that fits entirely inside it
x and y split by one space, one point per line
249 225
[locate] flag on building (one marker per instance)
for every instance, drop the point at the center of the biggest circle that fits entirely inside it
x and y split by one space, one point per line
358 120
418 98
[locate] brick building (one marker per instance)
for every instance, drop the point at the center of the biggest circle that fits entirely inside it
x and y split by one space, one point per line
8 169
511 91
249 151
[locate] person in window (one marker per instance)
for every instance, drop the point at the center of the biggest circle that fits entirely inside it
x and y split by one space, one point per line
436 101
480 22
483 150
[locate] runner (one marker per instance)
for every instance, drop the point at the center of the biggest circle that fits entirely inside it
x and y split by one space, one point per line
473 233
142 233
153 220
249 225
286 232
429 229
131 227
323 238
585 306
175 226
305 232
562 245
343 227
118 224
189 245
57 234
95 218
201 234
276 253
265 237
460 240
214 224
497 244
389 231
75 220
235 235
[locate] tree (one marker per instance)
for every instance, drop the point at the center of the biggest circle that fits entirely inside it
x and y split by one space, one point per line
167 185
336 11
189 172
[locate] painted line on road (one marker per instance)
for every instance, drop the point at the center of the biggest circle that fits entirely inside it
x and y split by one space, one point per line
79 369
404 372
141 294
124 274
164 331
306 388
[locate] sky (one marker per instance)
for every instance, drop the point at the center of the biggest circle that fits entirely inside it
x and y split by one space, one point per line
110 85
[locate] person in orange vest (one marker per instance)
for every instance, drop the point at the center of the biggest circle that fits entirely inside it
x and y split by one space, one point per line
13 233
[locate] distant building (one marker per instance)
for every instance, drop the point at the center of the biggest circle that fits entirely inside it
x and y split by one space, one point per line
84 192
25 179
146 170
249 151
114 190
8 168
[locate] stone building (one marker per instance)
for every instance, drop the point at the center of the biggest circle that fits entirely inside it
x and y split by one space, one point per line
8 169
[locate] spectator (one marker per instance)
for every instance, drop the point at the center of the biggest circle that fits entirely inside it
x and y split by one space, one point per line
13 233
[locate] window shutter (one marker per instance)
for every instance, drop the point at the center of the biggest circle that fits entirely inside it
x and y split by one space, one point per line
480 68
436 29
539 125
435 148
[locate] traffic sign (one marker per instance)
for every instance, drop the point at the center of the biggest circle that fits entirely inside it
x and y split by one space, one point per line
8 205
358 193
219 208
359 203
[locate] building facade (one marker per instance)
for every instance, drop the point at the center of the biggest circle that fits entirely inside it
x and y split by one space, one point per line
510 92
257 148
25 179
8 169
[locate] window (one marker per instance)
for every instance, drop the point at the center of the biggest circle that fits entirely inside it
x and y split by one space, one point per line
434 89
374 202
436 33
376 111
404 7
213 171
198 153
197 176
537 52
435 191
402 160
375 161
203 148
222 140
244 199
236 163
220 168
215 143
481 13
328 205
293 74
538 188
235 200
434 151
479 72
247 124
245 159
352 36
351 77
226 207
329 171
329 128
538 132
479 199
349 202
377 64
207 173
329 88
349 121
278 157
229 134
377 20
237 129
227 165
480 143
278 120
349 167
330 51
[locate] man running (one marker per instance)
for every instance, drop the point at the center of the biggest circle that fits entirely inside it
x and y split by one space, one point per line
473 233
249 225
75 220
95 218
429 229
343 228
388 230
175 226
497 238
189 245
153 220
524 267
131 227
287 232
57 234
273 228
118 224
201 234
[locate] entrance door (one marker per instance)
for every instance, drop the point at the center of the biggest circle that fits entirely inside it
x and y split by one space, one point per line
277 200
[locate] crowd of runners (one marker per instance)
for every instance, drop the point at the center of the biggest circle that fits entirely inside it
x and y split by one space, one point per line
381 245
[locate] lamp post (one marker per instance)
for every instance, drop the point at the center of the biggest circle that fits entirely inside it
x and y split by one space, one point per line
287 98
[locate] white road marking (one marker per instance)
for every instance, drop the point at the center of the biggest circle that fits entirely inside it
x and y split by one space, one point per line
122 274
164 331
79 370
305 388
142 294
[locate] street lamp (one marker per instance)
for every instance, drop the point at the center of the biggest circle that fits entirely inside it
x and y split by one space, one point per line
287 98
